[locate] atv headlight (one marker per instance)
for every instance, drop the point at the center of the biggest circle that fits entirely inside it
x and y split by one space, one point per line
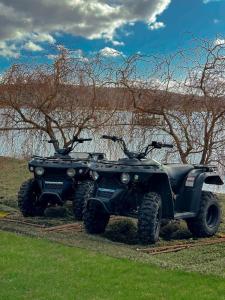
94 175
136 177
39 171
125 178
80 171
31 168
71 172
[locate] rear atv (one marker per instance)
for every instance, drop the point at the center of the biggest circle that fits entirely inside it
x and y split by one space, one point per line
149 191
57 179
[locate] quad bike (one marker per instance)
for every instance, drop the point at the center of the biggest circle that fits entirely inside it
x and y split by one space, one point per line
149 191
56 179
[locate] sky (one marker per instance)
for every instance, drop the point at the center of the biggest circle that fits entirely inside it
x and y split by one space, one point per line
34 29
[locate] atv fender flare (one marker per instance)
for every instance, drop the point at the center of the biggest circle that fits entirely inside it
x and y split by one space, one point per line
99 203
194 184
161 185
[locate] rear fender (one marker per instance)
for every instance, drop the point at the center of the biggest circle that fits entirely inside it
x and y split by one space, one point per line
160 184
190 199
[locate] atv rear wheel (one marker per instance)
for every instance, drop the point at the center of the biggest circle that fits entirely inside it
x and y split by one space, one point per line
83 191
27 199
149 218
207 222
95 220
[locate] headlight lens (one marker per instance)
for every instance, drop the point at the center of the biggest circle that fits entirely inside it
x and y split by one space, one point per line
94 175
136 177
71 172
125 178
39 171
31 169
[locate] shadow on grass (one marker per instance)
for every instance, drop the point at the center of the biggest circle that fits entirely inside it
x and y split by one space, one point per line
125 231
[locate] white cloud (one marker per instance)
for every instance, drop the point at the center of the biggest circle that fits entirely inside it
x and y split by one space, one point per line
30 46
92 19
156 25
219 42
43 37
8 50
208 1
107 51
216 21
52 56
118 43
78 54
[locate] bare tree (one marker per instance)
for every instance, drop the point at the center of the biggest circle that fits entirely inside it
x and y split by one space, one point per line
188 91
59 99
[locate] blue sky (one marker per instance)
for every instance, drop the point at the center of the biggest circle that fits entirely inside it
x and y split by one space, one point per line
32 29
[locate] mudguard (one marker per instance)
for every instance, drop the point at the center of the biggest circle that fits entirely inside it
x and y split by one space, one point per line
160 184
106 204
100 204
190 198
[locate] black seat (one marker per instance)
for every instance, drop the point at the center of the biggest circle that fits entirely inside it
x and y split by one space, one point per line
177 174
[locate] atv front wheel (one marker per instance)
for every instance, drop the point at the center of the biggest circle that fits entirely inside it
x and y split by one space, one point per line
149 218
27 199
95 220
207 222
83 191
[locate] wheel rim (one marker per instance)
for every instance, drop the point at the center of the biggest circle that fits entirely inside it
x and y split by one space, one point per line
212 216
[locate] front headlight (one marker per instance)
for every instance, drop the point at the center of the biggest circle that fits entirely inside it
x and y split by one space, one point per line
31 168
80 171
71 172
39 171
125 178
94 175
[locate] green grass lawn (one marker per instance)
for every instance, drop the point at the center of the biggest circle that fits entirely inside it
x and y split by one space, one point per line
13 173
38 269
205 260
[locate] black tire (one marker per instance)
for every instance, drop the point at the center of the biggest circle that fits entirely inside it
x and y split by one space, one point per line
82 192
95 220
207 222
27 199
149 218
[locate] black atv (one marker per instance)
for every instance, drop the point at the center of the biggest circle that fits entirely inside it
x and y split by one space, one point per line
64 176
145 189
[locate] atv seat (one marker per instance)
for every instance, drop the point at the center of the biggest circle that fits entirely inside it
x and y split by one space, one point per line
177 174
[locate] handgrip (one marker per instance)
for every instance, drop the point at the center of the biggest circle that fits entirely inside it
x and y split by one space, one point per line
85 140
167 145
106 137
81 140
112 138
159 145
52 141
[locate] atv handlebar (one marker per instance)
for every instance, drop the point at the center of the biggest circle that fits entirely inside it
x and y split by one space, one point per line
149 148
69 147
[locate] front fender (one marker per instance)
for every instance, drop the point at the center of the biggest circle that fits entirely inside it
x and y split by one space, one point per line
104 206
161 185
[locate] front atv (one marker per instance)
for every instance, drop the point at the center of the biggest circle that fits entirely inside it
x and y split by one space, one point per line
57 179
144 189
